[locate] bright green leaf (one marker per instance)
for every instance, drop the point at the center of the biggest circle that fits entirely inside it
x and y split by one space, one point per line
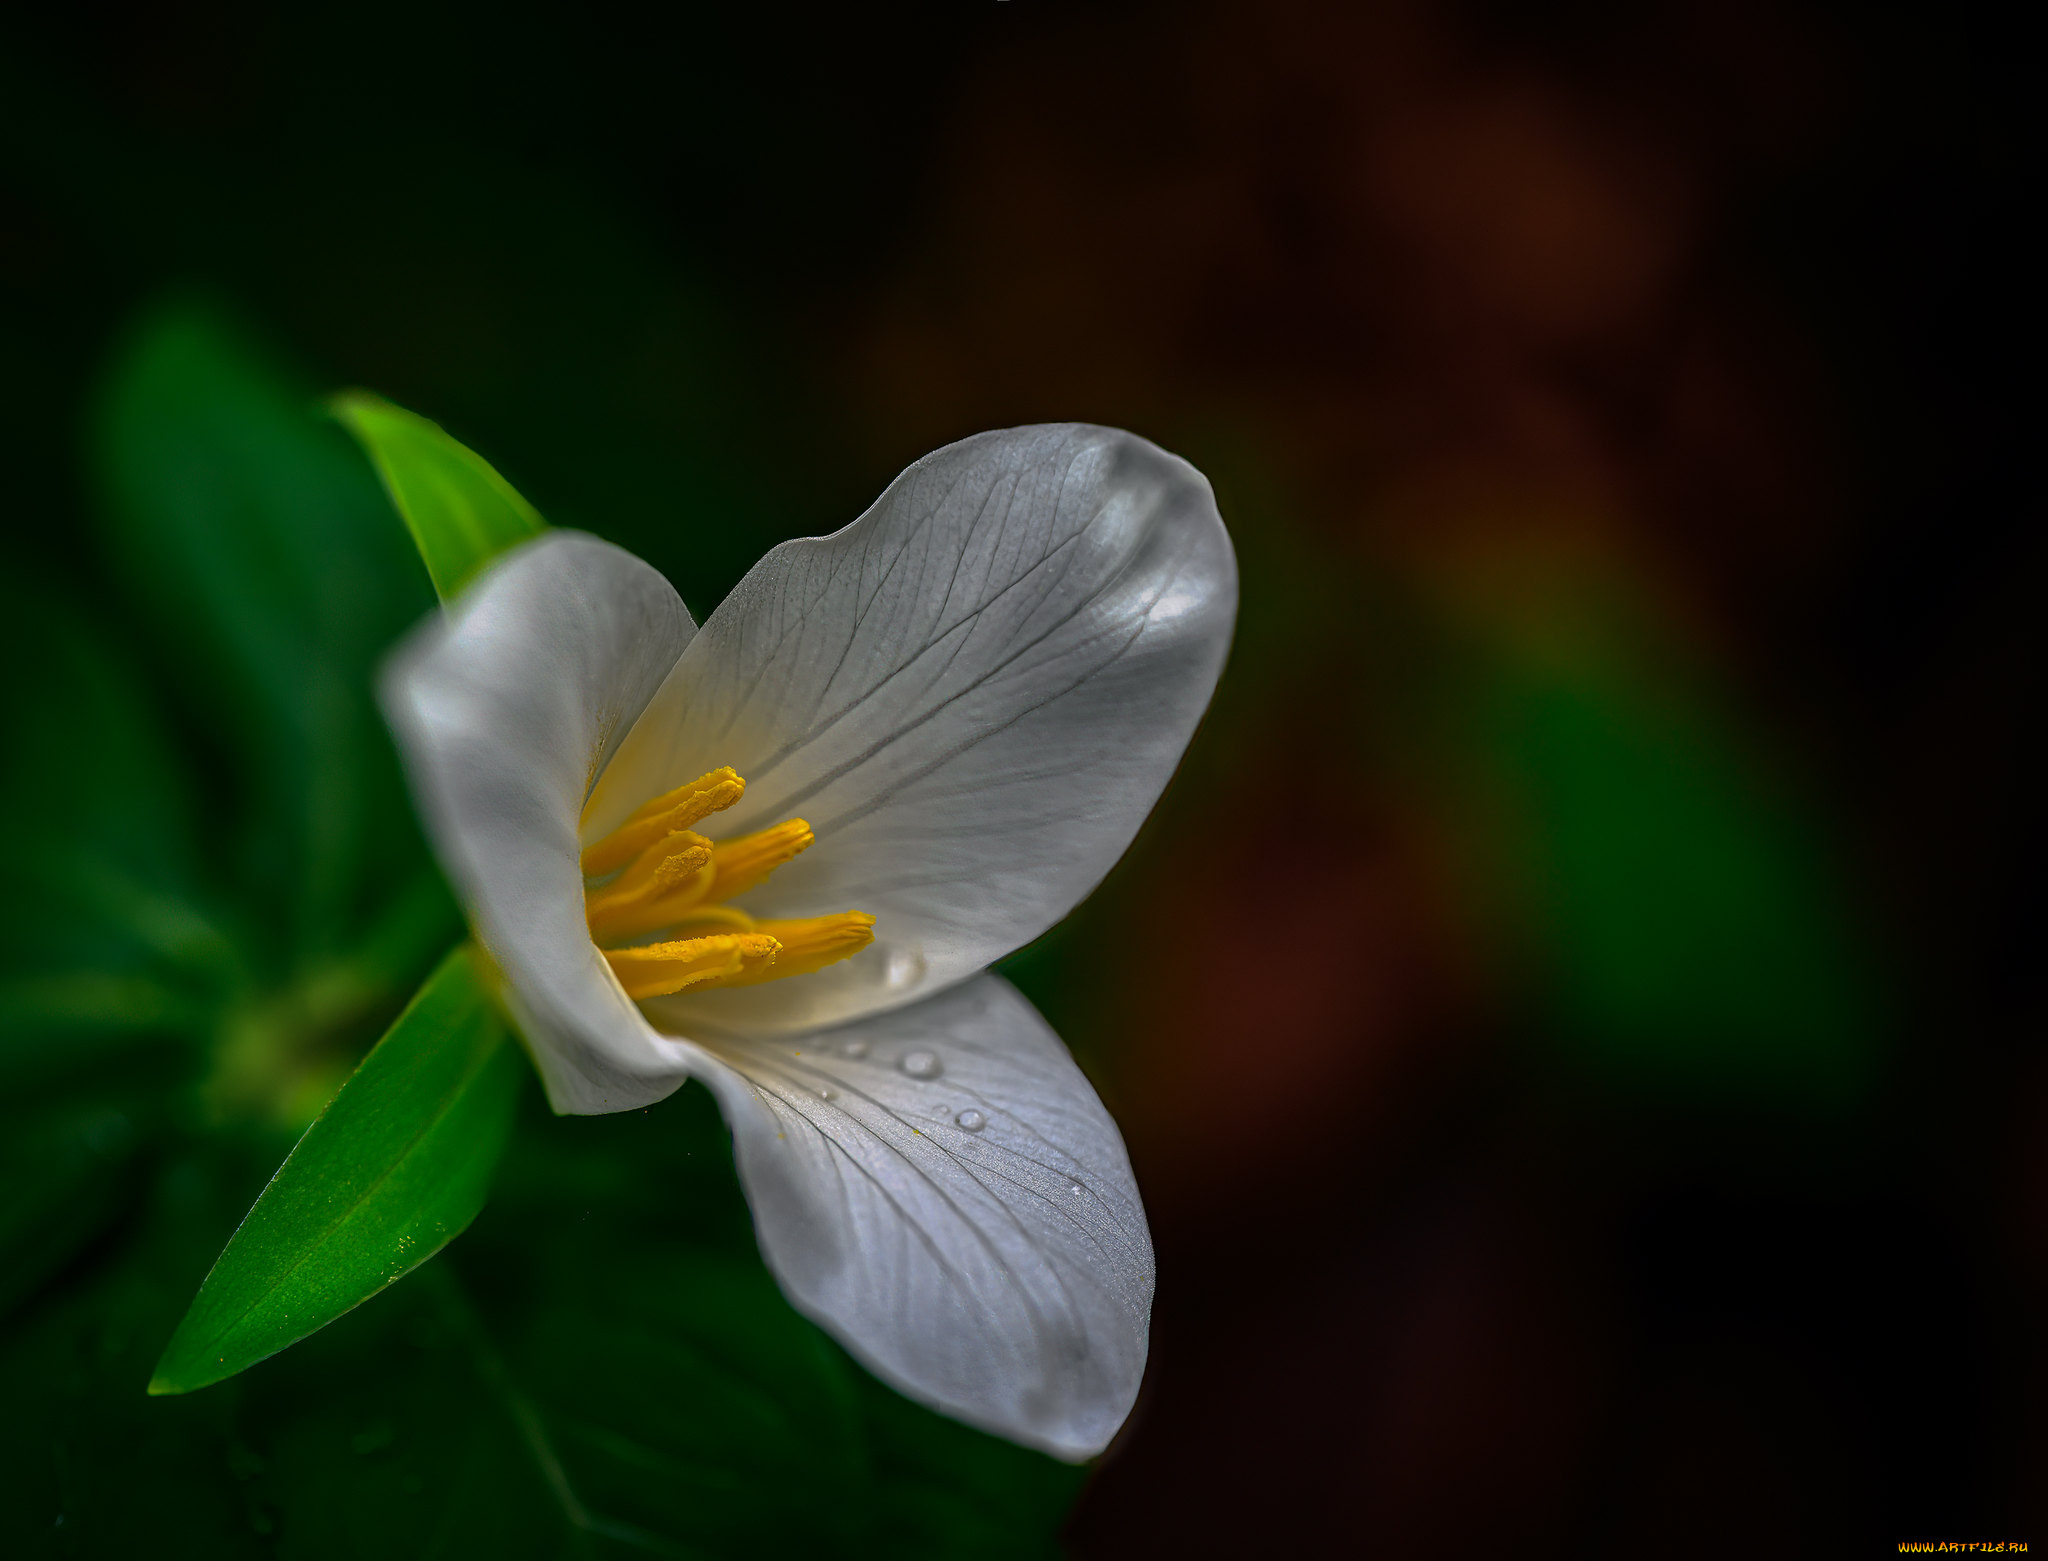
397 1166
462 514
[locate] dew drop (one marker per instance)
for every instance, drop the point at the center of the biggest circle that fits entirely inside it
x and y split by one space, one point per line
856 1049
919 1064
904 967
972 1120
828 1093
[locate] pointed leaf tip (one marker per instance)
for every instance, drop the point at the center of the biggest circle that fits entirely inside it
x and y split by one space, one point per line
461 512
397 1166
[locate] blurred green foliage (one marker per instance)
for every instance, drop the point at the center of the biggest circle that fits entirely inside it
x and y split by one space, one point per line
1679 911
222 898
1690 921
262 551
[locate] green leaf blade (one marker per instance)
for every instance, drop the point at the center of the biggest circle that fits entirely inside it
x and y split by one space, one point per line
461 512
395 1168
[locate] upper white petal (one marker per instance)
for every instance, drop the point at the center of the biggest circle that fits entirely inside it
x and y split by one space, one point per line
1002 1273
974 694
505 710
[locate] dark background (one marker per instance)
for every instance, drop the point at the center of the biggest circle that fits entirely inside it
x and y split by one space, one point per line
1576 1016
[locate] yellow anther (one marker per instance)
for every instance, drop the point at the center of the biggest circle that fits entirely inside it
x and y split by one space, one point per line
666 879
666 815
738 865
656 887
663 969
807 945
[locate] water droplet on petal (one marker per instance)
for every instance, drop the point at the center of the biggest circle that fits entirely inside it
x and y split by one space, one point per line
1075 1189
972 1120
828 1093
856 1049
904 966
920 1064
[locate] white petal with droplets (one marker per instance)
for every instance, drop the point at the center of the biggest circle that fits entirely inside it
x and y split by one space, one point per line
1003 1272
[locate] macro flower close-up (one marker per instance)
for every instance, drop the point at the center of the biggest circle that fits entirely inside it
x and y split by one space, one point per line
776 855
1025 781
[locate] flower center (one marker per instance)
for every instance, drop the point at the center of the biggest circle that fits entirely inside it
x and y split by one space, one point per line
655 874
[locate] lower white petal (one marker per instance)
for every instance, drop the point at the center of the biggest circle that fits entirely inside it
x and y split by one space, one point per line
940 1188
505 710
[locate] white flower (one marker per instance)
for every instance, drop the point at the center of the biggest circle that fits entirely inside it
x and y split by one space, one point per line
964 704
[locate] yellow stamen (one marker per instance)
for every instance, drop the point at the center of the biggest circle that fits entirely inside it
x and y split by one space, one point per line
668 876
700 921
668 814
807 945
662 969
741 864
666 879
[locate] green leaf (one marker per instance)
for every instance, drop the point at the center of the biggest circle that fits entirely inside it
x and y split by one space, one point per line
462 514
396 1167
272 582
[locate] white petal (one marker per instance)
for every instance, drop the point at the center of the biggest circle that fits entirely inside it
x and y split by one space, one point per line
1000 1273
505 711
974 693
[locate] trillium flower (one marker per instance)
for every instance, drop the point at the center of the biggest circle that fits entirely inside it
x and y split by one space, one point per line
777 855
